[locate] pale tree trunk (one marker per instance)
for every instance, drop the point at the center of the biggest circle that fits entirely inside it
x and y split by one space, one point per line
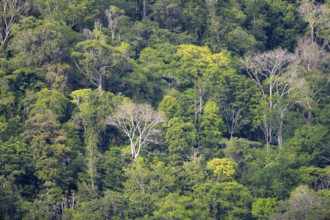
280 135
100 83
280 129
91 158
145 8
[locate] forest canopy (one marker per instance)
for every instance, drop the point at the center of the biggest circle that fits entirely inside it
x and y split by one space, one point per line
164 109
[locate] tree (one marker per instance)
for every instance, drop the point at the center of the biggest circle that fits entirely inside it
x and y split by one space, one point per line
181 139
92 109
239 150
10 10
210 126
174 206
311 55
271 172
113 15
223 169
37 43
138 122
316 15
312 60
270 71
226 200
168 14
10 200
50 154
96 59
308 144
262 208
75 13
199 72
303 203
236 97
170 106
142 7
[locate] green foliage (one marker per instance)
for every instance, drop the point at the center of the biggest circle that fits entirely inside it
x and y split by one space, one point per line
170 106
308 143
97 59
316 177
67 65
88 210
227 200
153 179
180 138
112 169
262 208
51 100
242 152
189 176
223 169
37 43
210 126
271 173
10 200
304 204
75 14
174 206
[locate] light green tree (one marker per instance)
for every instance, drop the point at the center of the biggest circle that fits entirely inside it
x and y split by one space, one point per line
211 126
262 208
223 169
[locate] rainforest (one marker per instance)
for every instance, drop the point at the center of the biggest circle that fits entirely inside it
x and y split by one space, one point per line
164 109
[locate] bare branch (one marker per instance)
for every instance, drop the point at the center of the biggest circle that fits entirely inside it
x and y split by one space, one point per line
137 122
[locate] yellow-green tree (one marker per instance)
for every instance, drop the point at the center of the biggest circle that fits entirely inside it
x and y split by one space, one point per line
223 169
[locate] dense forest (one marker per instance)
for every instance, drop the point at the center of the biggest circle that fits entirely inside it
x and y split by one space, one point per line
164 109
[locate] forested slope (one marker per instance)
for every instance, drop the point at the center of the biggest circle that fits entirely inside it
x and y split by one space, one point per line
164 109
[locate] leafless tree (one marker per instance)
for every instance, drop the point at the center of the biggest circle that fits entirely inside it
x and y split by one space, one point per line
313 59
311 55
270 71
233 119
137 122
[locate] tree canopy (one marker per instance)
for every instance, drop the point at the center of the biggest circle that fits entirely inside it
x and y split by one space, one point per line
164 109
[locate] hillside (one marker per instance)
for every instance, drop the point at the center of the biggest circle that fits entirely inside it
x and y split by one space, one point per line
164 109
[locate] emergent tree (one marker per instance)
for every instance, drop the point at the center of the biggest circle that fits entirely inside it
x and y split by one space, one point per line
272 73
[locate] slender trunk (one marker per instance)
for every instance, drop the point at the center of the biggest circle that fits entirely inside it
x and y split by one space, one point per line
145 8
268 135
280 135
100 83
270 97
199 120
91 164
312 32
309 118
